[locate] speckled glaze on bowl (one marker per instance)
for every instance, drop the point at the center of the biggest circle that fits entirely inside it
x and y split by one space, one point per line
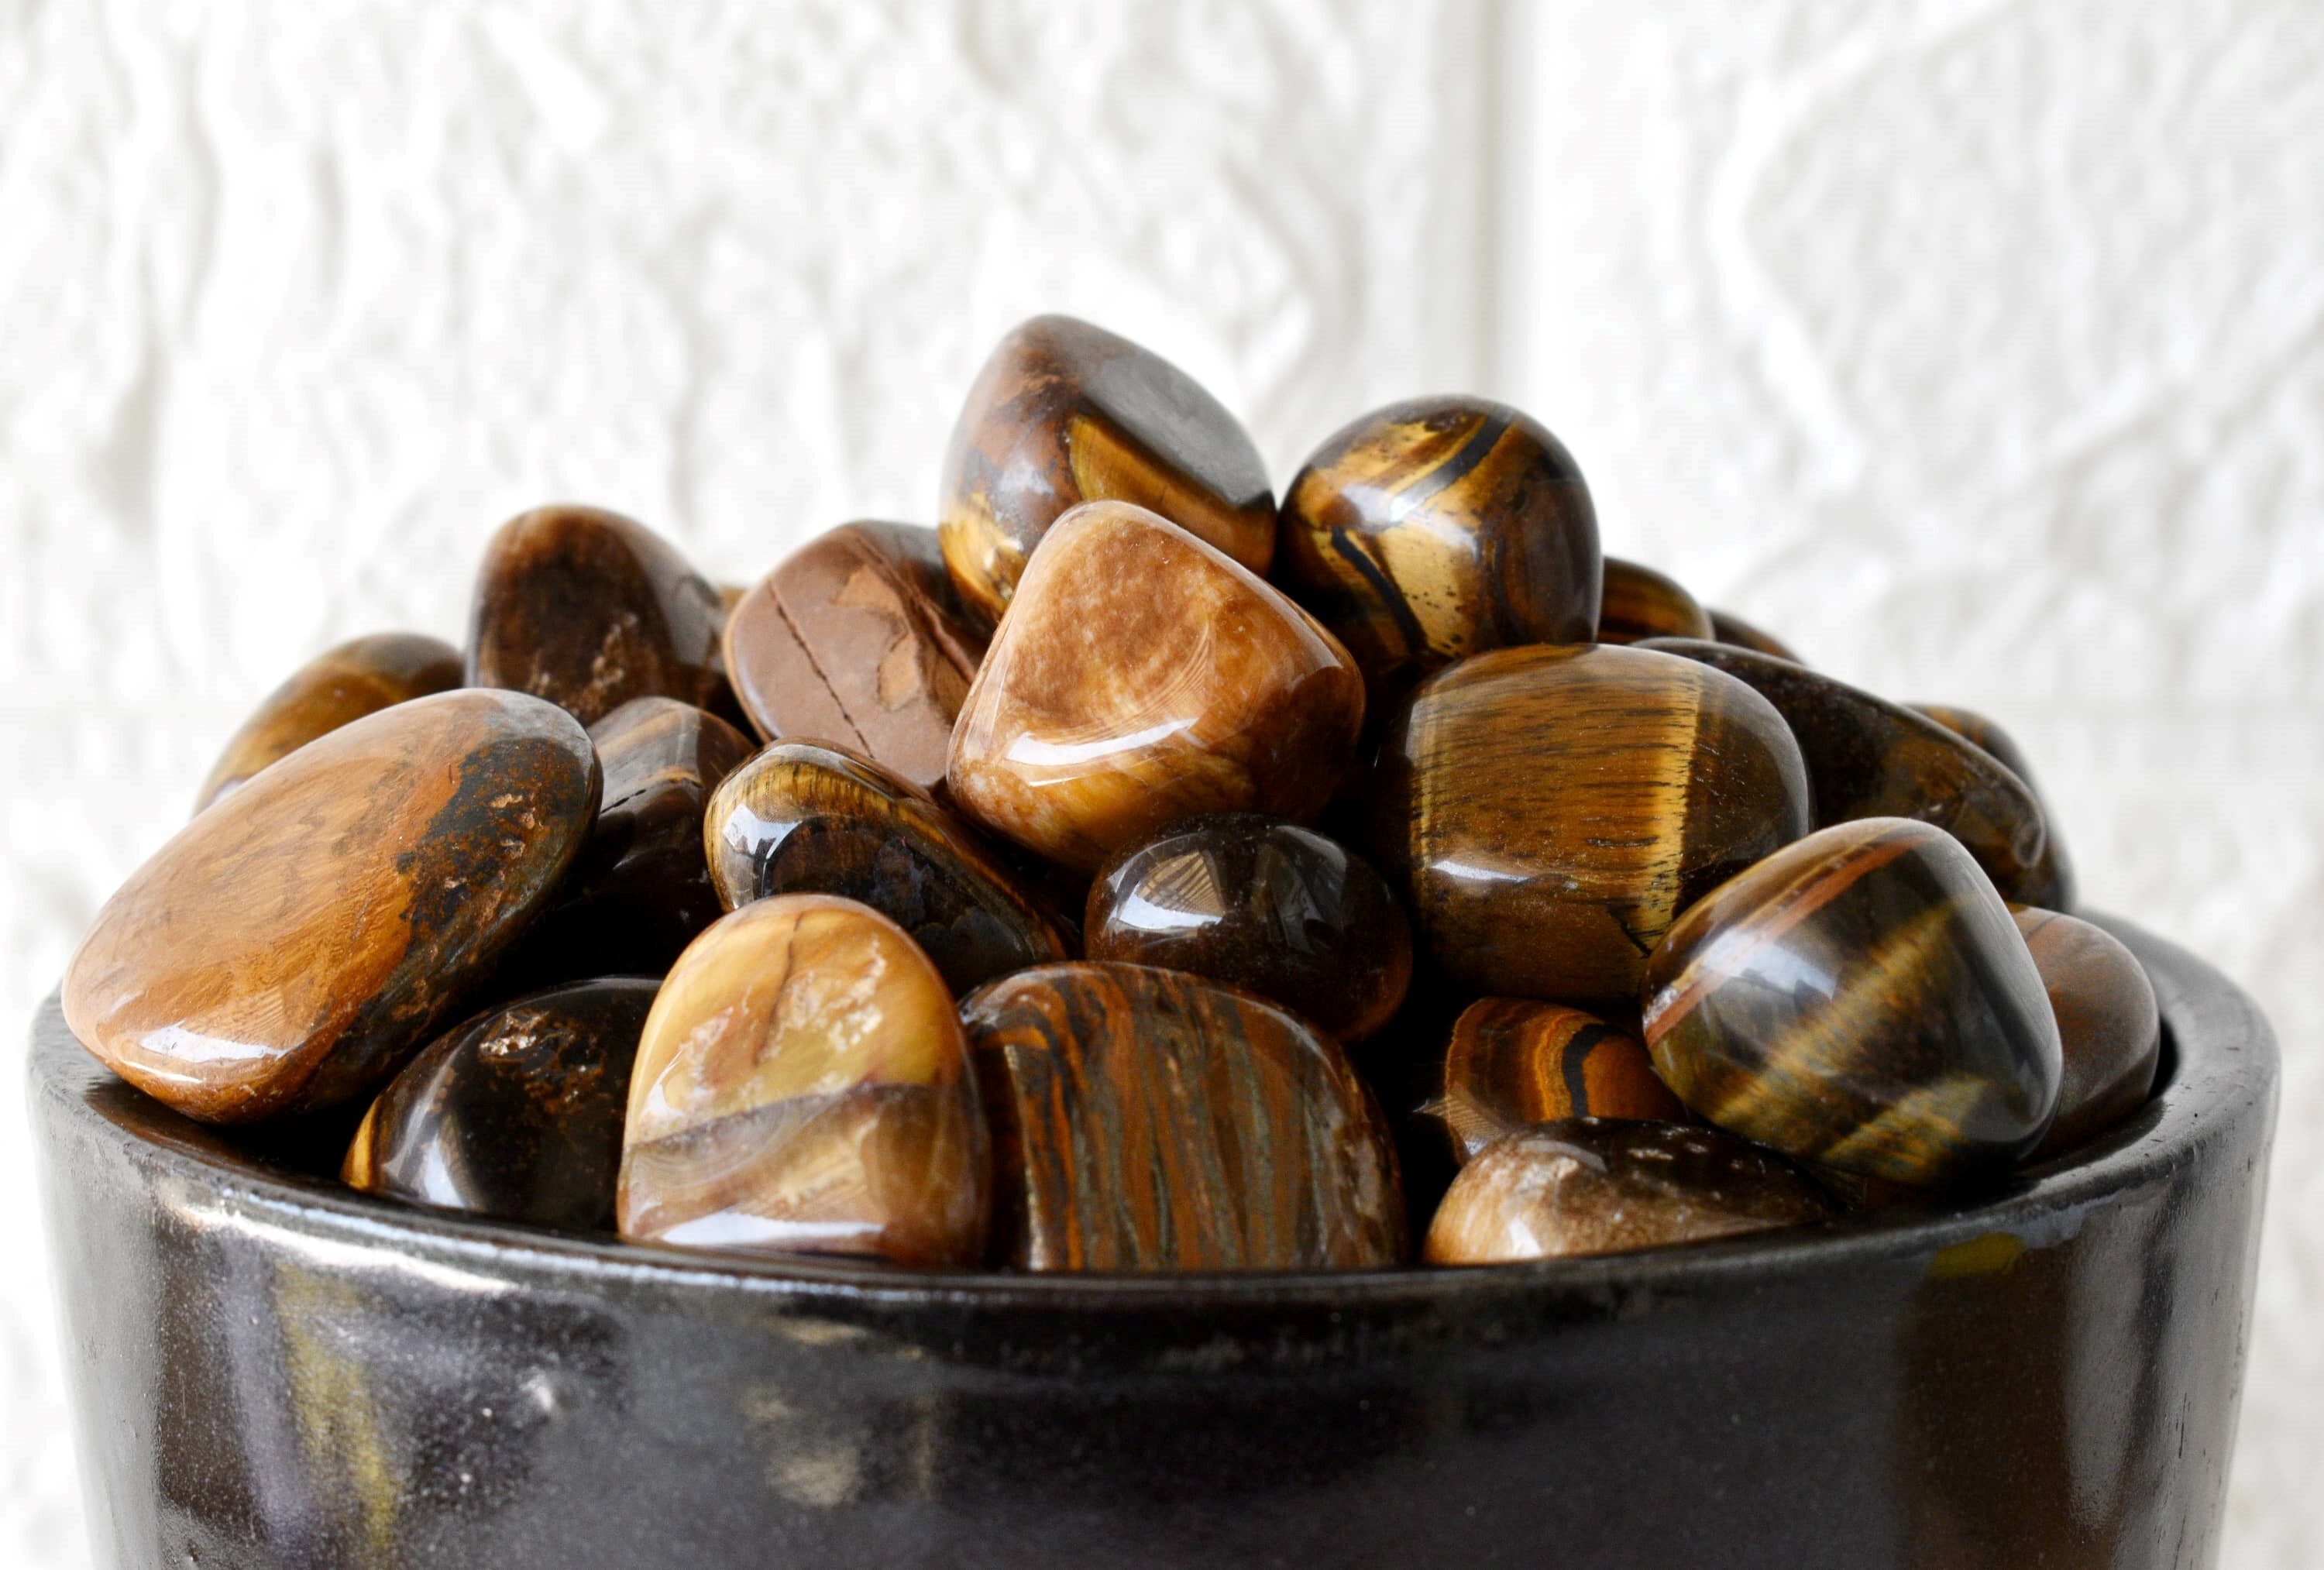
269 1371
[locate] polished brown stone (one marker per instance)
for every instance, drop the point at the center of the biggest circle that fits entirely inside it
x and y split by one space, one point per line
1064 413
1589 1186
802 1087
357 678
1860 999
2109 1029
1149 1120
1258 903
289 948
1549 810
1728 628
2051 883
857 638
1437 529
1638 603
1142 676
516 1114
589 608
1508 1062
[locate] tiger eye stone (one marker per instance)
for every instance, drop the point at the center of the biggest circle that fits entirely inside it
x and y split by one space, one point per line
2051 883
1064 413
857 638
802 1087
1552 809
588 610
1149 1120
1638 603
288 948
1730 629
801 818
1583 1186
516 1114
341 684
1870 758
1143 676
1258 903
1437 529
1509 1063
1860 999
2109 1028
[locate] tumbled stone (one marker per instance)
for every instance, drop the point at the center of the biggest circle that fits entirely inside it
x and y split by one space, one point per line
1508 1062
1552 809
1437 529
857 638
1064 413
2050 882
1728 628
1260 903
357 678
2109 1028
1588 1186
1860 999
802 1087
516 1114
288 948
1142 676
588 610
1638 603
1148 1120
801 818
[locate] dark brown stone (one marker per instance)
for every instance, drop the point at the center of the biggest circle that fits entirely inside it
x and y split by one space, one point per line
2051 883
1638 603
2109 1028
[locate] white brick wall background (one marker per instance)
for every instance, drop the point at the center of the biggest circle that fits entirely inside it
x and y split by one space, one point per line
1977 347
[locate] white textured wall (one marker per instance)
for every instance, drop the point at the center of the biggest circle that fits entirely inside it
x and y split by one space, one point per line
1979 347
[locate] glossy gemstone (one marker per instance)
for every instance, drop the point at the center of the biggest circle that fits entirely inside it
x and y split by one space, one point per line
1552 809
2109 1029
1587 1186
1149 1120
516 1114
799 818
2051 883
1728 628
588 610
1064 413
357 678
802 1087
1860 999
1438 529
1143 676
1509 1063
1639 603
858 640
1259 903
291 946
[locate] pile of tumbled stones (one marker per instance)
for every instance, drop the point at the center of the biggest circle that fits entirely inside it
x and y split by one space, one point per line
1128 873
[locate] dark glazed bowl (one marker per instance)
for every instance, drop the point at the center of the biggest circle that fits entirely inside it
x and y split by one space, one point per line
269 1371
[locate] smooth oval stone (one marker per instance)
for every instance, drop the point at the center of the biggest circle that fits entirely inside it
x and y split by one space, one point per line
858 640
1871 759
2051 883
1638 603
1586 1186
516 1114
2109 1028
1437 529
289 947
1552 809
358 677
1259 903
799 818
1149 1120
1728 628
588 610
1064 413
1509 1063
1860 999
1142 676
802 1087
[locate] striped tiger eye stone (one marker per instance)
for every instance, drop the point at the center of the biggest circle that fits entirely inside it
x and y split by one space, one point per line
799 818
1582 1185
2109 1028
1438 529
1512 1062
1552 809
338 686
1142 676
1860 999
1638 603
1064 413
2051 883
1730 628
802 1087
1148 1120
